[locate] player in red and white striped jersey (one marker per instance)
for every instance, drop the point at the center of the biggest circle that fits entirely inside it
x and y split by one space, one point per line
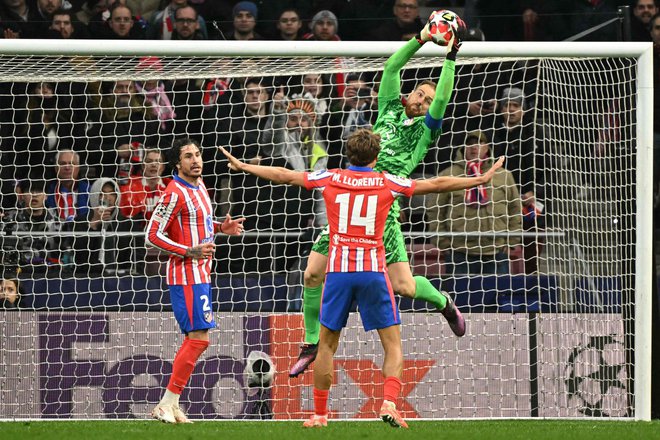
357 245
357 202
182 225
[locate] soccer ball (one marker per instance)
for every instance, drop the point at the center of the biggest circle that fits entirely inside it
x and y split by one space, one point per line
443 25
259 372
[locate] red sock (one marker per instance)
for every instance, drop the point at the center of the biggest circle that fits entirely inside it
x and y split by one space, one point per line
391 388
321 402
184 363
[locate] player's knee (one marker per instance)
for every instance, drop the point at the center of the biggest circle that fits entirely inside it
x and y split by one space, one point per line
404 287
313 278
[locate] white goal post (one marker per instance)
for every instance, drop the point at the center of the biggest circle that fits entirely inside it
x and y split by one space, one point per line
525 356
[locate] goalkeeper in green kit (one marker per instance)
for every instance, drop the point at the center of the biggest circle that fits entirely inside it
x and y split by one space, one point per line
406 133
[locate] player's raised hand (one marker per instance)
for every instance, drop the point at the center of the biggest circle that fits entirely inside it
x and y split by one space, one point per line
232 226
234 164
491 172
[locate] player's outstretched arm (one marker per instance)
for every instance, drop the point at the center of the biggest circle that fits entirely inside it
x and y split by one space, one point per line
451 183
446 81
390 83
274 174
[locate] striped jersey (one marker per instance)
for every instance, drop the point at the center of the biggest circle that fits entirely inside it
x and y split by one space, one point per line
357 201
183 218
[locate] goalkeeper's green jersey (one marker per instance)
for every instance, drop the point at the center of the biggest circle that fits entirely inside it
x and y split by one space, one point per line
405 141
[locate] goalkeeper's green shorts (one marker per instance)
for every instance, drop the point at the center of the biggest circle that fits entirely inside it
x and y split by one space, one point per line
395 247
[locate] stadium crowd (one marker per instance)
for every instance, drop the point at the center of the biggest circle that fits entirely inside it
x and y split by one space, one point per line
88 157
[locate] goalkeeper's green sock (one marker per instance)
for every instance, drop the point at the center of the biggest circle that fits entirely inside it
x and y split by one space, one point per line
311 309
424 290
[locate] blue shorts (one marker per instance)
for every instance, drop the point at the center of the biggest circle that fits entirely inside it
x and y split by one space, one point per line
371 290
192 307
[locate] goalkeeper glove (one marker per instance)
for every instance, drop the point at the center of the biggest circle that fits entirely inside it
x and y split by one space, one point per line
456 39
424 35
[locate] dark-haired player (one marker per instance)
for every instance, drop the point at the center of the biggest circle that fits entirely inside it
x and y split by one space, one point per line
182 225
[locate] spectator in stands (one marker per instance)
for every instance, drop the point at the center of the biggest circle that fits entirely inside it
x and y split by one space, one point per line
186 25
98 250
292 141
406 22
21 19
140 194
488 215
353 111
67 194
289 26
44 17
137 202
314 90
324 27
63 26
120 25
245 20
33 217
10 295
643 11
515 139
121 117
163 23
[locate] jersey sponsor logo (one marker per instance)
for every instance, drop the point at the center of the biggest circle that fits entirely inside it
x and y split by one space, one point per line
335 239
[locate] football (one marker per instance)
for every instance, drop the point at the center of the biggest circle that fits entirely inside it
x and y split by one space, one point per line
442 25
259 372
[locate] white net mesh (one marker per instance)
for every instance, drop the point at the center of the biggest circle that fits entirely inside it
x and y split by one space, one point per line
546 287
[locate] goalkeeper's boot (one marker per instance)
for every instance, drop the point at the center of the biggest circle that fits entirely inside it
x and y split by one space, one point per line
316 422
305 358
453 316
179 415
389 414
164 413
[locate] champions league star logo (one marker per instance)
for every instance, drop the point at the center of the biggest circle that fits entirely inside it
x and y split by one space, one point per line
596 378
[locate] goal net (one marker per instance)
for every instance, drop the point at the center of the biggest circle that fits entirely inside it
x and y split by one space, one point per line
549 263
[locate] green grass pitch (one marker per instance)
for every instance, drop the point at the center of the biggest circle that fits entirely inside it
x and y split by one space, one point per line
336 430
